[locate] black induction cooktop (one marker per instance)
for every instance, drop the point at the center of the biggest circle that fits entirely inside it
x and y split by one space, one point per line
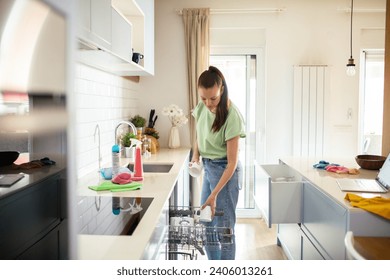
116 215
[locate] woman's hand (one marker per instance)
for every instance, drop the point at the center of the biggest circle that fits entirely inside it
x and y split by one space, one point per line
195 159
212 202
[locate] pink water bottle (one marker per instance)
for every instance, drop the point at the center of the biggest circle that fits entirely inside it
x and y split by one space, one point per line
138 169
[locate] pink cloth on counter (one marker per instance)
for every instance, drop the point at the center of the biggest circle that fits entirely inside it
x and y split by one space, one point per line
341 169
337 169
122 178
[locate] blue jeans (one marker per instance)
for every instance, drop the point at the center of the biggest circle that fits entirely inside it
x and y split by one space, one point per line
226 202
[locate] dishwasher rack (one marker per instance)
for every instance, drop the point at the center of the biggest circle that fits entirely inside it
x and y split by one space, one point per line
188 235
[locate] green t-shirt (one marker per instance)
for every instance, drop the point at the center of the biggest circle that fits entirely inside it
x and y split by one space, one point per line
213 145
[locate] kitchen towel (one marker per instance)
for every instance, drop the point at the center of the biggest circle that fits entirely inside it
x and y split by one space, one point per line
342 170
377 205
322 164
34 164
334 167
122 179
109 186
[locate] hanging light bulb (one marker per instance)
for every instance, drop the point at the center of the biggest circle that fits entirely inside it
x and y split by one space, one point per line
351 71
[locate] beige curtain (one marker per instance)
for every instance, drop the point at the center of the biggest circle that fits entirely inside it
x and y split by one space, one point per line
196 35
196 32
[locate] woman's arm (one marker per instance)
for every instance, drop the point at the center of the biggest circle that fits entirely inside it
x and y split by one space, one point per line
232 158
195 151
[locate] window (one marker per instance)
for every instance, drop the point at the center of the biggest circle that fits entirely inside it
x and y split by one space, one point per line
371 102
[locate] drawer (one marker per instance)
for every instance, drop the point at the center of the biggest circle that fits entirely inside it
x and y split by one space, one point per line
45 249
325 222
289 237
278 193
309 251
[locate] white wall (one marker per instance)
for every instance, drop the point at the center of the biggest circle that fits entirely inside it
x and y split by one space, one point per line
307 32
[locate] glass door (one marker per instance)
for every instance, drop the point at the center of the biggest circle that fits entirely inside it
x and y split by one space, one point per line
240 75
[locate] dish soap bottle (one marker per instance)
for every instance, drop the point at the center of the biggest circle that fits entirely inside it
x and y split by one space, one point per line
115 160
138 168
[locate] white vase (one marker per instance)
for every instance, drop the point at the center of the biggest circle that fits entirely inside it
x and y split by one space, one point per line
174 138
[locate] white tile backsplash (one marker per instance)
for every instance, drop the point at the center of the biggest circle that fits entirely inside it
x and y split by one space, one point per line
103 99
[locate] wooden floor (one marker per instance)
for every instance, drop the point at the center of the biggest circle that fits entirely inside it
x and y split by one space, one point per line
255 241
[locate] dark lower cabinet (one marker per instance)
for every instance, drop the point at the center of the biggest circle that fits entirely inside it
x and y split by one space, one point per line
33 222
44 249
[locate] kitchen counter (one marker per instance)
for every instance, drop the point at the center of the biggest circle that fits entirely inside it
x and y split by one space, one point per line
31 176
326 181
159 186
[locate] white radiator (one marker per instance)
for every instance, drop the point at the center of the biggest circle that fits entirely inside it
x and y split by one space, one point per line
310 91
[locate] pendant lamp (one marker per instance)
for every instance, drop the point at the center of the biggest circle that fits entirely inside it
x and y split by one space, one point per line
351 62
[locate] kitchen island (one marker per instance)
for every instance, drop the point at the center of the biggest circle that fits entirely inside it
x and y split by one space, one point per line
33 211
310 210
147 240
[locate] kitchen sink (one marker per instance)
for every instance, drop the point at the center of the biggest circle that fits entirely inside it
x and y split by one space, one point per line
154 167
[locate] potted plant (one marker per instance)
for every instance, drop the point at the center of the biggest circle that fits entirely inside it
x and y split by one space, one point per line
126 139
126 142
139 123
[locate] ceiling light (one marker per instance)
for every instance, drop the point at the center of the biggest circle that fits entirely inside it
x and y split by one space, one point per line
351 62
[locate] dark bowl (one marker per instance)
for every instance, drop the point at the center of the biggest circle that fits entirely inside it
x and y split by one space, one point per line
371 162
8 157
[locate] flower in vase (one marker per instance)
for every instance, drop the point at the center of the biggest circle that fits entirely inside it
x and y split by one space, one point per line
175 115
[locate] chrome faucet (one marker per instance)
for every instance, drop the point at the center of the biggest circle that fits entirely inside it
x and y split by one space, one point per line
132 126
97 130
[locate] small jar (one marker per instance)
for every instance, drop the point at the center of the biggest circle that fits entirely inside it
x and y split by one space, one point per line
145 145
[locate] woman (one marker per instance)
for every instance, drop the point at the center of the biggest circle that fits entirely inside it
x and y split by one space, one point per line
219 126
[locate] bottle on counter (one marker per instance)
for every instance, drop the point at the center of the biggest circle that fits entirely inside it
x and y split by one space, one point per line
138 167
115 160
146 146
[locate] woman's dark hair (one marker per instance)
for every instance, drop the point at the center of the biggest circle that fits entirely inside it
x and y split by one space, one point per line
208 79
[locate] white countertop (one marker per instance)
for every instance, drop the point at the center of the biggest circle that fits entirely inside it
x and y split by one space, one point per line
326 181
156 185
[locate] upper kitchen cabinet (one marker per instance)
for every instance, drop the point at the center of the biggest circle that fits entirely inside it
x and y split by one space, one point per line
111 31
95 22
121 30
140 13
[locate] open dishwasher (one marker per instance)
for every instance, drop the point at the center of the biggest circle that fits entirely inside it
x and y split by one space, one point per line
189 234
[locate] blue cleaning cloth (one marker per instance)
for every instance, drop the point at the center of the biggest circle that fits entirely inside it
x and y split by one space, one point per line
322 164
